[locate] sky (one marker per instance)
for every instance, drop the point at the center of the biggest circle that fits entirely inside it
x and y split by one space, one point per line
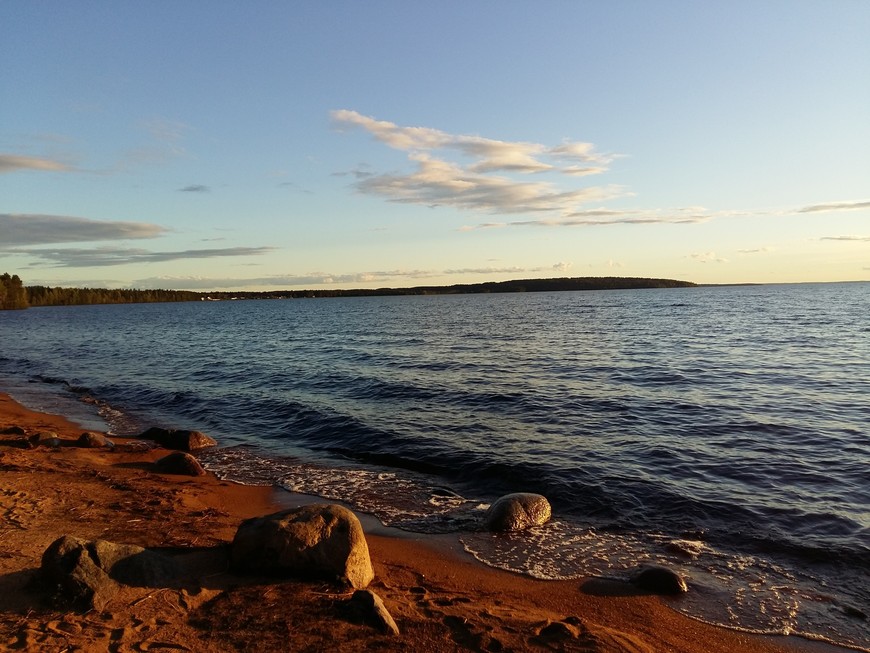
343 144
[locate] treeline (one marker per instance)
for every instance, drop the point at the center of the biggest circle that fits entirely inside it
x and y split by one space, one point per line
48 296
12 292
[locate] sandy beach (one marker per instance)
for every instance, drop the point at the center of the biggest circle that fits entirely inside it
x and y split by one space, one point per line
440 598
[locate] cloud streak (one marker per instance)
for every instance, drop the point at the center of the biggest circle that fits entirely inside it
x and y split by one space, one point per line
37 229
835 206
847 238
291 281
442 174
109 256
195 188
15 162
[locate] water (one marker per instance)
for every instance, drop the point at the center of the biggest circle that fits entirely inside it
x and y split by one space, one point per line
722 431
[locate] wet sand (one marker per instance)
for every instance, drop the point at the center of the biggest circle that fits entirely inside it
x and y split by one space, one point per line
440 598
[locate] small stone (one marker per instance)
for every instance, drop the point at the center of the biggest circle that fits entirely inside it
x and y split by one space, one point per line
659 580
180 463
558 630
179 439
91 440
14 430
371 609
44 439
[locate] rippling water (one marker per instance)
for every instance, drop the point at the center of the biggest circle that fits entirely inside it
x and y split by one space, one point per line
721 430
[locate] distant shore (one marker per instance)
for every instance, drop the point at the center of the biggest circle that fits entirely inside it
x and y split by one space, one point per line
441 599
58 296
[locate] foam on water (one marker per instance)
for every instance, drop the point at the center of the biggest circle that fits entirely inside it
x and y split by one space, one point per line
748 592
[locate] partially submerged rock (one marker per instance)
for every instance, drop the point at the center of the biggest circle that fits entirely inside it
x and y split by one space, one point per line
88 572
179 439
91 440
181 463
320 540
518 511
370 608
659 580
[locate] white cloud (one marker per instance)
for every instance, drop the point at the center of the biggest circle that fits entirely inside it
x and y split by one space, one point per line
757 250
707 257
488 183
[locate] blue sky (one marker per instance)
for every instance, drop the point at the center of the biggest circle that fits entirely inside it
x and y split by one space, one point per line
267 145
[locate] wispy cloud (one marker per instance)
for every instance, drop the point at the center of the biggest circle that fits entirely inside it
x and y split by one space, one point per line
488 183
108 256
852 238
16 162
835 206
757 250
707 257
195 188
35 229
605 217
291 281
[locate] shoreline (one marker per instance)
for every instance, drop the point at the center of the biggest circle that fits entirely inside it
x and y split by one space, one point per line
441 598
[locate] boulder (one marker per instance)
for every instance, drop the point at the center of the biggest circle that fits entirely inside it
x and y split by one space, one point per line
179 462
13 430
518 511
319 540
659 580
91 440
370 608
88 572
179 439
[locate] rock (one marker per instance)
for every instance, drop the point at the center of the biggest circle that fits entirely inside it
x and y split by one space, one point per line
94 441
320 540
88 572
179 439
518 511
372 610
659 580
13 430
44 439
558 630
179 462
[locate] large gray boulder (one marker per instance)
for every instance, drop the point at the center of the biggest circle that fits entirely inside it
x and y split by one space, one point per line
518 511
88 571
319 540
179 439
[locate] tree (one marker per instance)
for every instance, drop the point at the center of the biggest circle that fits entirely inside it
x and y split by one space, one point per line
12 292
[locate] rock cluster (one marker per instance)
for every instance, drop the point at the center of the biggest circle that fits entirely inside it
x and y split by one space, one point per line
87 572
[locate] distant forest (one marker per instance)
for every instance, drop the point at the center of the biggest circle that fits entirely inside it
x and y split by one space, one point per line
14 295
